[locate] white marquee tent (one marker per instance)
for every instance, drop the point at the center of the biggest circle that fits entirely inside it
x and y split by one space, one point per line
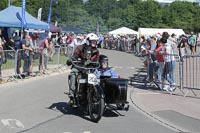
153 31
123 31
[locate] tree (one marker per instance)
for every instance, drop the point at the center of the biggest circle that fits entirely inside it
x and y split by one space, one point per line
182 15
3 4
112 14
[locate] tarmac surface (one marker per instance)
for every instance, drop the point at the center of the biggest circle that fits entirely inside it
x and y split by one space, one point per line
173 110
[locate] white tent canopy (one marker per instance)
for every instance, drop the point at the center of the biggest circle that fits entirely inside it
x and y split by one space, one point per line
123 31
153 31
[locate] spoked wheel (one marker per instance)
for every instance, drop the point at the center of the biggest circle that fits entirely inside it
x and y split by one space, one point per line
95 105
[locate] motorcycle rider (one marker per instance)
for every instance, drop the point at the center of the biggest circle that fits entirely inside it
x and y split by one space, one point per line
104 69
85 54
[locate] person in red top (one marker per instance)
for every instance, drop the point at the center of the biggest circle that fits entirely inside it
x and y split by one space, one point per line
160 61
44 46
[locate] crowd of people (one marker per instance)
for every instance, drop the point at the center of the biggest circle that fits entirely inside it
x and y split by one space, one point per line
26 47
162 51
47 47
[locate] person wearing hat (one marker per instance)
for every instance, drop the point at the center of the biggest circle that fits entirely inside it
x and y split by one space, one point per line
85 53
104 69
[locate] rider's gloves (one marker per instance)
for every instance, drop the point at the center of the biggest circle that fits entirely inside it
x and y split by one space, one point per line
87 62
69 63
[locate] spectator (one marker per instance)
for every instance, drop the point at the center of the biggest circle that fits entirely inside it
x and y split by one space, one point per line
35 37
166 51
44 46
18 48
1 56
198 40
182 46
27 46
160 61
152 59
192 43
64 48
72 40
172 43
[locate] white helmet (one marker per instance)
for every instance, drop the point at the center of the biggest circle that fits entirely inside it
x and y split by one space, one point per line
91 37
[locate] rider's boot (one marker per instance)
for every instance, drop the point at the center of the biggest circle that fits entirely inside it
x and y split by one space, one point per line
72 101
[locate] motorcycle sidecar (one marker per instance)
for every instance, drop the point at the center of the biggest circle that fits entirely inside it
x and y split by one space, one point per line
115 90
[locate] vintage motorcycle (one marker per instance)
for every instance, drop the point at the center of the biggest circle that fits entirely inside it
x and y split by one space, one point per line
96 94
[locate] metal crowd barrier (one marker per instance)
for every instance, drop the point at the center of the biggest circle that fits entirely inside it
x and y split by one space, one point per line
9 66
43 62
191 73
186 74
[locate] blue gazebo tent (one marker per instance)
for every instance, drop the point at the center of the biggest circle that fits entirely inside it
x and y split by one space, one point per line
8 18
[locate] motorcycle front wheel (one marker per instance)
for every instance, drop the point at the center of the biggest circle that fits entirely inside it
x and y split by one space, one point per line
95 104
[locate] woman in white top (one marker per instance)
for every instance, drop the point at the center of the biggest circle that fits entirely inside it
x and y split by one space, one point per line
167 56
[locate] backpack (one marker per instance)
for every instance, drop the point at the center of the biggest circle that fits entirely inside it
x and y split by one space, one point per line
182 43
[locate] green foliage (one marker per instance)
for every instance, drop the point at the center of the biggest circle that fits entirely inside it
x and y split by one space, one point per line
3 4
112 14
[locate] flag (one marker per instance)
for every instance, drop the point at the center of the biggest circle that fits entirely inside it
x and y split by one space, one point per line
49 15
8 2
39 13
97 28
18 16
23 22
56 23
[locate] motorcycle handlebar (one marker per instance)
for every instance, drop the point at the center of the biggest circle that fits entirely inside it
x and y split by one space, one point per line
75 63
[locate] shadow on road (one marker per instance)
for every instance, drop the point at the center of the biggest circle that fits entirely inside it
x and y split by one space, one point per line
139 80
63 107
66 109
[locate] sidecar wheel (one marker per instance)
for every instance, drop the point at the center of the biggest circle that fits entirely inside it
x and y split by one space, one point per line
95 105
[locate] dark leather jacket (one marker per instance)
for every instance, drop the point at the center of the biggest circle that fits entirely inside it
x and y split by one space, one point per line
85 52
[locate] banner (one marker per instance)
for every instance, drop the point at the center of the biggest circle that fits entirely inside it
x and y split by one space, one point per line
8 3
49 15
39 14
56 23
97 28
19 17
23 23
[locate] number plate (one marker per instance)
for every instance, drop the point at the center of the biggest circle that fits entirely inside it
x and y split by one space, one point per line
92 79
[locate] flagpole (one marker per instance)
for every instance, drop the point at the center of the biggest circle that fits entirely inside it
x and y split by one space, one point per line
23 22
49 15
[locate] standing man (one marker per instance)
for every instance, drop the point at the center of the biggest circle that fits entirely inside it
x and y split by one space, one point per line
27 46
152 58
18 48
1 56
